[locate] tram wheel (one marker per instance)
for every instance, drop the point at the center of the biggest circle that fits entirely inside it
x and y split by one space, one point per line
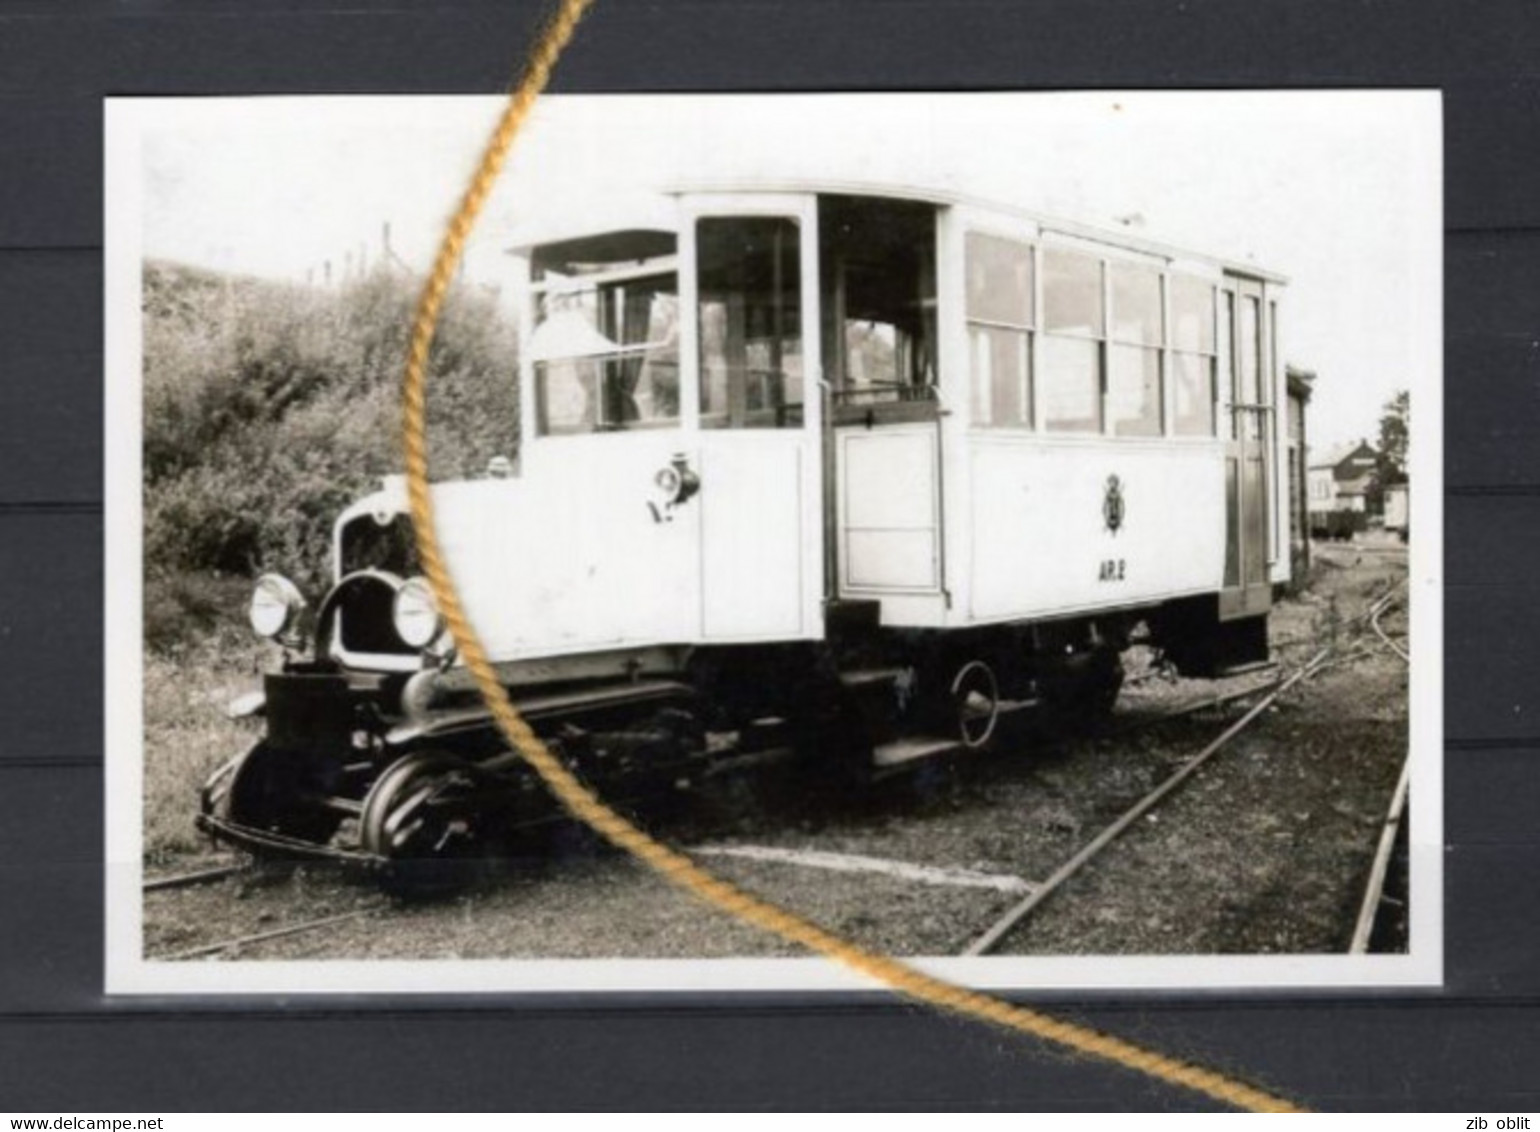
975 698
270 791
420 820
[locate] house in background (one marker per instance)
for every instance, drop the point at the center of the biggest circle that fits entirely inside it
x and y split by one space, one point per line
1339 480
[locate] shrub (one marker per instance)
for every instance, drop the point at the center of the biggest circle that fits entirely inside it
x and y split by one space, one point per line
269 407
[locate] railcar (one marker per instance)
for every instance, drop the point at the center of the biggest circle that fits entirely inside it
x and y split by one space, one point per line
854 470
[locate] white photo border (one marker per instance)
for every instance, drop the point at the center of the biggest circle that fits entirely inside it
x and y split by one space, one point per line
129 973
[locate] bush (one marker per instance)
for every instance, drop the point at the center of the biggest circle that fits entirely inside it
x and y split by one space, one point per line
269 407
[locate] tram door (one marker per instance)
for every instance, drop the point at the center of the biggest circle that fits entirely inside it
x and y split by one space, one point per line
1245 384
880 334
753 334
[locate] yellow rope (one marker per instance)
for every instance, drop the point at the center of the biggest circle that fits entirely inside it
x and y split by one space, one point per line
582 802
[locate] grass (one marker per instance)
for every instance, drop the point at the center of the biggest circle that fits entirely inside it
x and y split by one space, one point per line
188 683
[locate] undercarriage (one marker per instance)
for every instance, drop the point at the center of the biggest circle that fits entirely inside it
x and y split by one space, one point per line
370 770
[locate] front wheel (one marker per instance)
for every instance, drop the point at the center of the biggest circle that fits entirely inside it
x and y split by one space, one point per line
420 821
277 791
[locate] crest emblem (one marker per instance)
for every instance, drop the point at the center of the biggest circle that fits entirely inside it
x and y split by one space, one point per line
1112 504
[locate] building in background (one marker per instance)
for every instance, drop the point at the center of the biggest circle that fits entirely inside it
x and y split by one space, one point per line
1339 482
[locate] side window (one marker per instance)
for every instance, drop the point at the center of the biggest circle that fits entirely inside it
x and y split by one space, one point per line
1135 400
1225 382
1193 355
1273 375
606 357
1070 375
1000 324
1250 389
1250 392
749 272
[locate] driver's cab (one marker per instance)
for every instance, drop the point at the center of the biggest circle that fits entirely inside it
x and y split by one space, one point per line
700 399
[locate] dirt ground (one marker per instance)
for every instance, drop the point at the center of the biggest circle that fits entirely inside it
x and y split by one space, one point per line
1266 849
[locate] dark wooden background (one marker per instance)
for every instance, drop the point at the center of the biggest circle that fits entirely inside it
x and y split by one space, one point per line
64 1046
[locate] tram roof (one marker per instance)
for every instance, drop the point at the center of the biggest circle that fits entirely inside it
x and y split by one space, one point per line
648 222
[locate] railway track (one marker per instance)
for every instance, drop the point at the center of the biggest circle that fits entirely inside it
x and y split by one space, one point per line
1013 917
195 877
1373 903
199 877
204 950
1374 900
1326 658
1390 642
1265 693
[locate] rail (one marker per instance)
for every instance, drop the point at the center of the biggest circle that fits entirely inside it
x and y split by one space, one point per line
198 876
259 937
1374 891
1374 623
1321 661
1015 915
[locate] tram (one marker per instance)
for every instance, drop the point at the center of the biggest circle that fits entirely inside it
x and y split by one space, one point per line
856 469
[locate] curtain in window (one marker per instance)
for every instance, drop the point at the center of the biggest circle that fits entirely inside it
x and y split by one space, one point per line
626 370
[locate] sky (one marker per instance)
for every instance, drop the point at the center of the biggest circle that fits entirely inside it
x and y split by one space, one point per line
1339 191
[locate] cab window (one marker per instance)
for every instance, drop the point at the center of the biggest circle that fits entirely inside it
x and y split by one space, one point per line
750 311
605 346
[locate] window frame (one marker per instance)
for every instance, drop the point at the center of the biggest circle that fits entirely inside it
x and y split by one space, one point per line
1098 339
1161 347
1217 398
1030 329
737 417
556 285
1166 269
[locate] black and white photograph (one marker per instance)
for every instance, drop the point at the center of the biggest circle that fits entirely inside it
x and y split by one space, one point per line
1002 529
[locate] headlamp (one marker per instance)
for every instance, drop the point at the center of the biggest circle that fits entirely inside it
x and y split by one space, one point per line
276 605
416 616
